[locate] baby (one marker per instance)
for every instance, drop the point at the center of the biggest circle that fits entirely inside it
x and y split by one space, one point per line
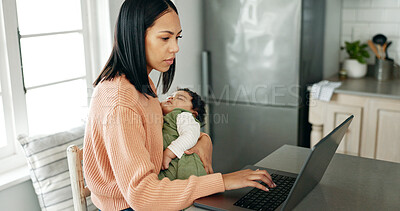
183 113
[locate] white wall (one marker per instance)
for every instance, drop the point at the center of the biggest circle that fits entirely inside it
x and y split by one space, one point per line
362 19
106 16
332 37
114 6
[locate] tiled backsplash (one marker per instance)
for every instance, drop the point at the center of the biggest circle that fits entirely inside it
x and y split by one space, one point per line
362 19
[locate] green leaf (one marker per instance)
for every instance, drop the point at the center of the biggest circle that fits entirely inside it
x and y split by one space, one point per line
365 54
356 50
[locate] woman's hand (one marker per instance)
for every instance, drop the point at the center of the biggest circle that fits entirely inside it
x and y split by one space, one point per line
247 178
203 149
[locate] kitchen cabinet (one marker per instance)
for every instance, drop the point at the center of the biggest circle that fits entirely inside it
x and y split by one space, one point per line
374 132
383 130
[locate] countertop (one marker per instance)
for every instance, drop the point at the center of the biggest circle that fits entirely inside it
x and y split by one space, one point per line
369 86
349 183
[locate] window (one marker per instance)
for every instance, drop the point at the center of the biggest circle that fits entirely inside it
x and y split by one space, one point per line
3 138
45 68
53 61
7 147
6 130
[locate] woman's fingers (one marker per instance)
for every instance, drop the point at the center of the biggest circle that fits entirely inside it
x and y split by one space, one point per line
264 172
266 177
262 177
209 170
258 185
205 156
189 152
203 149
245 178
207 167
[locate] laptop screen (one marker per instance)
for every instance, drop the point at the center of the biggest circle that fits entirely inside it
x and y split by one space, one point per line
316 164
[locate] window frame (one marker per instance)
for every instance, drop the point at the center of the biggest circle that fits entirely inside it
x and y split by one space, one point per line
13 91
12 88
9 148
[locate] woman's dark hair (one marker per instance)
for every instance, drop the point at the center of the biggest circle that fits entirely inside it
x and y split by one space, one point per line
128 55
197 103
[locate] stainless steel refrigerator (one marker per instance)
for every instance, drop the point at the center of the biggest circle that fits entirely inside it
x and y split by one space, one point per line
259 57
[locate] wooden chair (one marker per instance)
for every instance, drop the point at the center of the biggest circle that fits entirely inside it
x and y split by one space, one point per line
79 191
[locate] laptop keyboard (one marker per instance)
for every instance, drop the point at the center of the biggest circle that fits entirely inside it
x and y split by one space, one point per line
258 199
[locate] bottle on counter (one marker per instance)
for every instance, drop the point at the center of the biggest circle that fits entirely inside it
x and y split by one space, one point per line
342 74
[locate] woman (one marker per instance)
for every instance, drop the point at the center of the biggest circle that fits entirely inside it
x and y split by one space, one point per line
123 141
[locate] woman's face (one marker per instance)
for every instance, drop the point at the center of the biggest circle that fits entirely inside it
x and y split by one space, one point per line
161 42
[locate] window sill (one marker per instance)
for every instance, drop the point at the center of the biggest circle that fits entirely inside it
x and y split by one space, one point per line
14 177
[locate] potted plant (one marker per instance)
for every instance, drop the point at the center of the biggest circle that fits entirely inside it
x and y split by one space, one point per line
355 65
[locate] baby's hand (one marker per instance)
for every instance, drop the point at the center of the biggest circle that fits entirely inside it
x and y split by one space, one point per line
168 155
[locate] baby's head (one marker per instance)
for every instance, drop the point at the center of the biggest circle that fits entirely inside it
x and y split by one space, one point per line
185 99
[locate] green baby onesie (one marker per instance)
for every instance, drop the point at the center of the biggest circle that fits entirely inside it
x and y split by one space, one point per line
187 165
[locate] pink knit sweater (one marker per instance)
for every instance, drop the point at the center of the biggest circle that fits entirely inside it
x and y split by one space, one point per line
123 151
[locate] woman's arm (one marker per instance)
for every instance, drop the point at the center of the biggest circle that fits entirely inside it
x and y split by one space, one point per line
135 173
203 148
137 177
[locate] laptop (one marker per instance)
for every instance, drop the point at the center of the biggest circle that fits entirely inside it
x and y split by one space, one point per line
291 188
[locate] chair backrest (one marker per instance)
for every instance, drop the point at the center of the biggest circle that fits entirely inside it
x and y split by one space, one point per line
79 191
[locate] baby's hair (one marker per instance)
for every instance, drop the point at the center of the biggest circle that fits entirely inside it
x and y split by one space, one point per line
197 103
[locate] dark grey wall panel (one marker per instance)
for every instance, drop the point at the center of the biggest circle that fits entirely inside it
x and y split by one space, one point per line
244 134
